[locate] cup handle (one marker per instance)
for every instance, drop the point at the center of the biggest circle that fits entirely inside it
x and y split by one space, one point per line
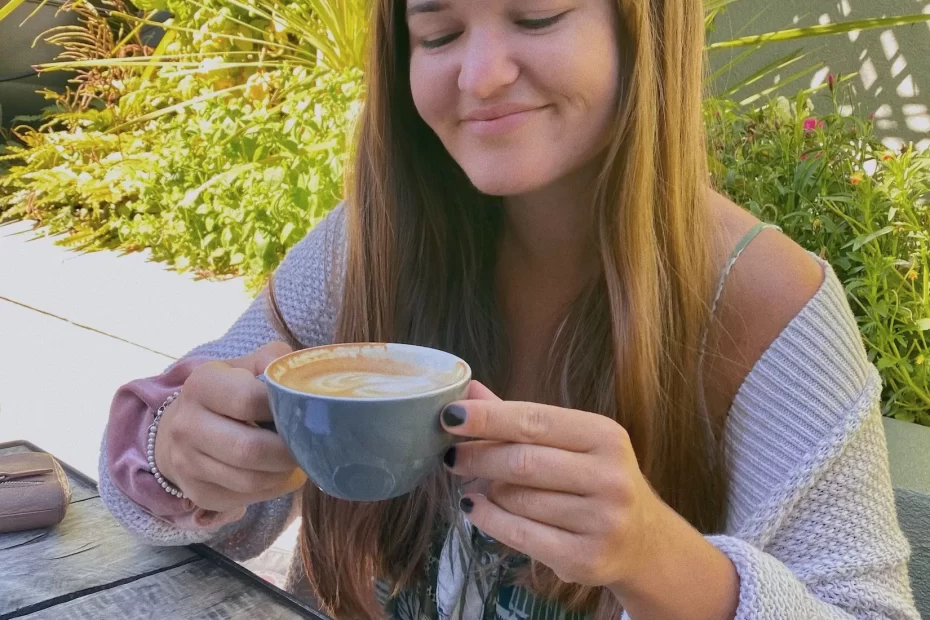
269 426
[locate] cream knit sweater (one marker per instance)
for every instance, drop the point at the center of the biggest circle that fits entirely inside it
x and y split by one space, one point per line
812 528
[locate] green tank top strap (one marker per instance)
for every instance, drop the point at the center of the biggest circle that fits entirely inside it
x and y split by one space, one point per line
734 255
743 243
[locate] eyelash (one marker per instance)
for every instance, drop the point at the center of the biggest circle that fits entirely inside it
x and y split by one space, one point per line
539 24
529 24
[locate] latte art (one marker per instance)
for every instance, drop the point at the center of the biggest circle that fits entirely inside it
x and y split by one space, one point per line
362 384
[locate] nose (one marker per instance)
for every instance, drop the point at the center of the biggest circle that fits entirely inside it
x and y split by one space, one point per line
488 66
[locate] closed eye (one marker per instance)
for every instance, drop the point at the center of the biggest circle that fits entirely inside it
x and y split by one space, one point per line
438 42
540 24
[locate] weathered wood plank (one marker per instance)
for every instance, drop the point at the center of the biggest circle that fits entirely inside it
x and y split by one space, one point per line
80 490
197 590
88 549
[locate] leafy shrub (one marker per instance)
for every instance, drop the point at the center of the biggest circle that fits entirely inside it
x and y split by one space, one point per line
218 161
832 186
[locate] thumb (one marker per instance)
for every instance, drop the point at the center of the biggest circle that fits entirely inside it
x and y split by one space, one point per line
478 391
257 361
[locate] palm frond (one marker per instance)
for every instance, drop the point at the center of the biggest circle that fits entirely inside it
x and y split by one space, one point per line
807 32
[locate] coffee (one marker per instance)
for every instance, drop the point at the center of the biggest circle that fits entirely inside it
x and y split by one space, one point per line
363 377
362 420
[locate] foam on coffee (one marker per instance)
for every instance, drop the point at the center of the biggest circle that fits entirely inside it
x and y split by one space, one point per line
362 377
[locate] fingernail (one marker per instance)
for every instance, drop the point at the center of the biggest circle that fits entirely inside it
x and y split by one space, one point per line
453 415
449 457
466 505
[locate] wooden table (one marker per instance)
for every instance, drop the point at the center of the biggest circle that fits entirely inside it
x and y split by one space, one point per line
89 567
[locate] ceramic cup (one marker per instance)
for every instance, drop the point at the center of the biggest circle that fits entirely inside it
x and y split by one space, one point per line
366 448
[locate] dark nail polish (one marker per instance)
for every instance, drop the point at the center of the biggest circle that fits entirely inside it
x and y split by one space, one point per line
449 457
466 505
453 415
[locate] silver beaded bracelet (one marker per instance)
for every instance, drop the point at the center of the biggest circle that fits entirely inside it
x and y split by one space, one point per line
150 451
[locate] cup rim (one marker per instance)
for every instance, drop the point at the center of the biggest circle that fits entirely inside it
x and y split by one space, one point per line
356 399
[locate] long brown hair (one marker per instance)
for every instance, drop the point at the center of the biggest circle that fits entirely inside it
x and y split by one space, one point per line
421 249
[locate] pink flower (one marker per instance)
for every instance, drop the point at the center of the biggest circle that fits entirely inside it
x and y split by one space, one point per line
803 156
810 124
831 82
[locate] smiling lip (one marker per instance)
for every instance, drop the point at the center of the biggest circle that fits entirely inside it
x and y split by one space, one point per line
499 119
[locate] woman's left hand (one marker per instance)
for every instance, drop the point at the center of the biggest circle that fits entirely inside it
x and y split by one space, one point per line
565 487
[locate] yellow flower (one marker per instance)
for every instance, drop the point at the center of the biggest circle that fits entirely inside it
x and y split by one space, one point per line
911 275
257 87
856 178
919 360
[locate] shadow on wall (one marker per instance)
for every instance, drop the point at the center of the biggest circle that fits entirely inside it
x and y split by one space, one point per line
893 65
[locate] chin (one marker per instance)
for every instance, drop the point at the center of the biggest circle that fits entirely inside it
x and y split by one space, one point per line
504 180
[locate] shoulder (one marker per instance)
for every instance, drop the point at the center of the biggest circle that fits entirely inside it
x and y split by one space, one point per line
771 282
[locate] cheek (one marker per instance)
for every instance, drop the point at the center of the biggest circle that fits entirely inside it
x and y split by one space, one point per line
595 69
432 97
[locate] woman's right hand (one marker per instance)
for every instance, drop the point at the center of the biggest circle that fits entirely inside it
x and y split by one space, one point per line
208 444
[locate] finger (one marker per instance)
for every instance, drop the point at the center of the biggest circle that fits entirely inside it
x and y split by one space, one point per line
539 541
242 446
244 481
530 423
562 510
231 392
257 361
539 467
478 391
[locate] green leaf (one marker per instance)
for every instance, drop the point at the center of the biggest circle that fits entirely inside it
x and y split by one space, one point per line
776 65
166 40
861 241
807 32
286 232
9 7
885 363
923 324
151 5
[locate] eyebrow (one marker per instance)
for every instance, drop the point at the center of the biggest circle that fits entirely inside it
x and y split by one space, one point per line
430 6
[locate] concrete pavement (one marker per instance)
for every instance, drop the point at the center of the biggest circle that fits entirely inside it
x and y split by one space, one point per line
74 327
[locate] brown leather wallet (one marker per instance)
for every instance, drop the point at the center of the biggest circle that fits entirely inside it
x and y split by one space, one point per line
34 491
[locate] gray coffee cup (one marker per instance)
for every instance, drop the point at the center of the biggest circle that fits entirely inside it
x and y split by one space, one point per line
367 448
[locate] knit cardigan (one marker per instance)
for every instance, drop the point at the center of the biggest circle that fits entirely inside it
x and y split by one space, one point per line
812 527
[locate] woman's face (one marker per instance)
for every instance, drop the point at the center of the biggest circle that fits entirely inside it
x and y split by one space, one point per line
521 92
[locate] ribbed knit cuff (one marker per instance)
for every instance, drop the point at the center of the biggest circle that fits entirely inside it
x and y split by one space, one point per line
768 589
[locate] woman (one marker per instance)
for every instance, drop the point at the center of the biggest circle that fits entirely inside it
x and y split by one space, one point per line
660 429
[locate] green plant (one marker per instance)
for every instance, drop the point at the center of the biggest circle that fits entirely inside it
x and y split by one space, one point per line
217 159
795 59
832 186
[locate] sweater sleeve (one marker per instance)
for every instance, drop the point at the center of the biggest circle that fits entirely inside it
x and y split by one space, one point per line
304 284
835 549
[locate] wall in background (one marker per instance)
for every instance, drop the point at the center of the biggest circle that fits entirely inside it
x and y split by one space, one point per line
893 65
